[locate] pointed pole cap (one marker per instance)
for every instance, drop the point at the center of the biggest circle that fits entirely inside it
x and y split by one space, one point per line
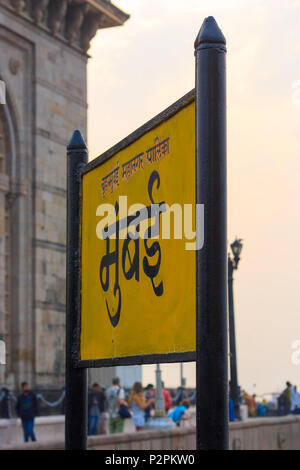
77 141
210 34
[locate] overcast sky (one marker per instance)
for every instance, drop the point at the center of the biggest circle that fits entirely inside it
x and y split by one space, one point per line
141 68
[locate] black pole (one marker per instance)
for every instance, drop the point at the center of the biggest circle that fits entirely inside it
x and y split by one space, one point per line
76 379
211 354
234 388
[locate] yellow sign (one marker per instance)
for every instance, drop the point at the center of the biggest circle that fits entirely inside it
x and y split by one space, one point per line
138 295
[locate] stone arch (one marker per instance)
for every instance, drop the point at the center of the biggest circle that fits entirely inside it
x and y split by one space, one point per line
8 232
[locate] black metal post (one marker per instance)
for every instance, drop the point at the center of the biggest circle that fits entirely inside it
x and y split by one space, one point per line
234 387
76 378
211 354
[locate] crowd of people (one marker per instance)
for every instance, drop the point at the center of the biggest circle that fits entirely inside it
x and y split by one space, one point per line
112 404
288 402
108 409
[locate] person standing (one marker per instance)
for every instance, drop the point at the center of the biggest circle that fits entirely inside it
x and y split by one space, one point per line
250 402
230 405
295 399
138 403
167 398
148 395
115 397
287 393
96 401
231 410
253 411
27 410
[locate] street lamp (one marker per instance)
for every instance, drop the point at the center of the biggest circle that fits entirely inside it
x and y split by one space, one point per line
182 378
236 248
160 420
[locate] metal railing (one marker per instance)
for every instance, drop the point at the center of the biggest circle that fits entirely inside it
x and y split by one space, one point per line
50 402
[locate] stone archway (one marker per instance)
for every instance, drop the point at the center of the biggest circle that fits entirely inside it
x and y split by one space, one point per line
7 232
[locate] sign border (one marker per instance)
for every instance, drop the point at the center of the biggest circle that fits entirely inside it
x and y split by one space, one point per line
187 356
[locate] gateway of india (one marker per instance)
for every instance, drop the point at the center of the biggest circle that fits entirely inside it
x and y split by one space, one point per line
43 63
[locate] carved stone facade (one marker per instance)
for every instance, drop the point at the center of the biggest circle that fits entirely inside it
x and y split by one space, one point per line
73 21
43 60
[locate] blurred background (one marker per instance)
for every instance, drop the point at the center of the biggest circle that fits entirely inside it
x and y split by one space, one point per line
138 70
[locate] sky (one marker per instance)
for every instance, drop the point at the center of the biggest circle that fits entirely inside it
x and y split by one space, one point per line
139 69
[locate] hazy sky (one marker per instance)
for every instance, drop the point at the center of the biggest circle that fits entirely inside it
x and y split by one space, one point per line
141 68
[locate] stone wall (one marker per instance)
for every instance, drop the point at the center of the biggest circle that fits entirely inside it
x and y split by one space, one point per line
46 91
282 433
43 64
254 434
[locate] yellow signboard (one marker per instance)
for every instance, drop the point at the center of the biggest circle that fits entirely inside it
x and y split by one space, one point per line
138 291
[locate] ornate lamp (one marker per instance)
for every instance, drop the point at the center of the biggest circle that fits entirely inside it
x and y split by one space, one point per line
236 248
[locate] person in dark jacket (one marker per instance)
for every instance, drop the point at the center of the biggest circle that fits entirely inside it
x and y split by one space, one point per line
27 410
96 406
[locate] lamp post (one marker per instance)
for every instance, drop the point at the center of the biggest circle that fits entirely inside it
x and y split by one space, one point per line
236 248
182 378
160 420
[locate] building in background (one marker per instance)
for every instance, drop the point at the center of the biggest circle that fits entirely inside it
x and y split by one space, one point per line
127 375
43 63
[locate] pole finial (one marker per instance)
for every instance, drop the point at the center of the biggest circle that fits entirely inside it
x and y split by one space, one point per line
210 33
77 141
